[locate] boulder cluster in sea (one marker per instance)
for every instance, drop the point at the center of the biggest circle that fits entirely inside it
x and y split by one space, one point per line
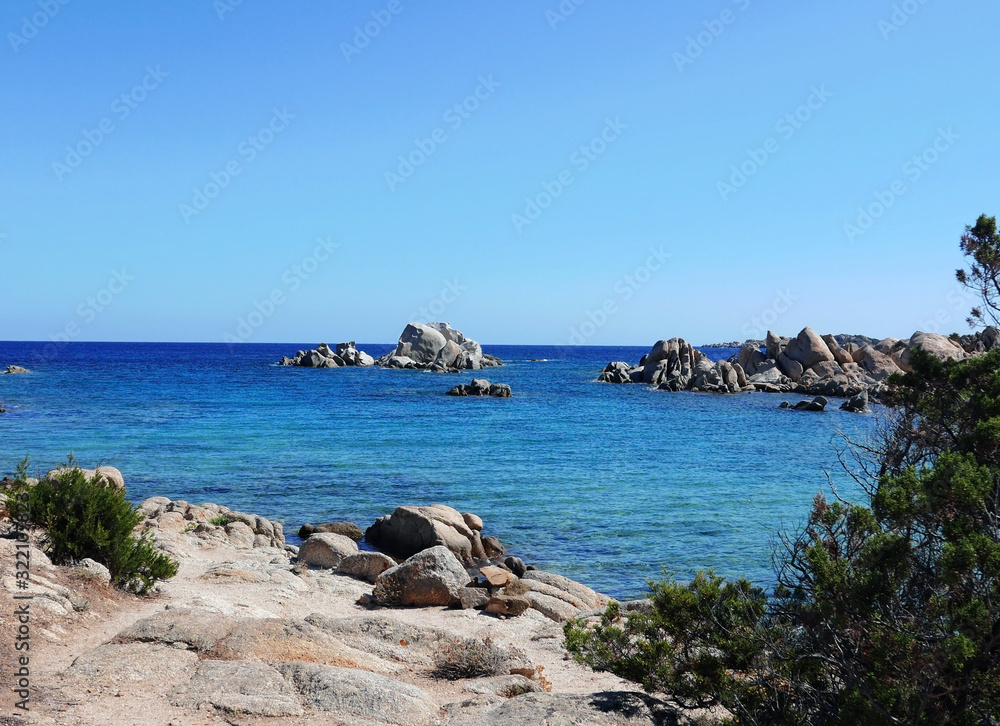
16 369
435 346
481 387
346 354
808 363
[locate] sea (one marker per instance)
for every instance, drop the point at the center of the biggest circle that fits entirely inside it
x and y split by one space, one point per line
612 485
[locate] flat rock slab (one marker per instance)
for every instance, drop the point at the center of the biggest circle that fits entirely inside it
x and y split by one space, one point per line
614 708
275 640
350 693
251 688
118 663
384 637
200 630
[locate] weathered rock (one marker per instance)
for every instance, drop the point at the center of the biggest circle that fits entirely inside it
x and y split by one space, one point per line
619 708
481 387
120 663
496 576
470 598
327 550
827 368
671 363
431 577
324 357
347 529
857 404
516 565
384 637
240 687
791 368
359 695
93 570
474 521
492 547
437 347
939 346
817 404
107 475
503 686
808 349
840 355
239 535
512 605
409 530
750 359
198 629
11 370
876 364
365 565
775 345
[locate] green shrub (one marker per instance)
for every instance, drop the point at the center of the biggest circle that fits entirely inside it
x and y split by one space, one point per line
85 518
222 520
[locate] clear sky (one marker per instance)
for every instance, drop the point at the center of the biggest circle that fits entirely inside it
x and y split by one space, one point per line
529 171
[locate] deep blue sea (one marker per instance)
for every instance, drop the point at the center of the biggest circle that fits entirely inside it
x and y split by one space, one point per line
606 484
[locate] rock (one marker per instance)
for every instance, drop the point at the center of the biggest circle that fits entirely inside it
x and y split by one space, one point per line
347 529
198 629
93 570
817 404
474 521
324 357
808 349
876 364
840 355
481 387
107 475
671 363
619 372
420 343
274 640
240 535
617 708
750 359
11 370
516 565
470 598
827 368
499 390
886 345
357 695
496 576
857 404
775 345
116 664
327 550
409 530
492 547
981 342
512 605
431 577
437 347
365 565
791 368
240 687
503 686
939 346
385 637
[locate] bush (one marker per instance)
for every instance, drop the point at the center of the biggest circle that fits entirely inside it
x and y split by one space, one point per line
471 658
85 518
222 520
883 614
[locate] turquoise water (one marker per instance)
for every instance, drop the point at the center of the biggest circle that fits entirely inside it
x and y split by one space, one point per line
606 484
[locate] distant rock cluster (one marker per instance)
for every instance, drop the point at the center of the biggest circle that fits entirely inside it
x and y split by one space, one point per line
481 387
16 369
323 356
808 363
437 347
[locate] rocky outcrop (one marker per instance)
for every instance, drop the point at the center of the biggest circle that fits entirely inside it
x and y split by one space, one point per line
818 404
856 404
348 529
327 550
811 364
16 369
212 524
982 341
431 577
108 475
481 387
409 530
437 347
323 356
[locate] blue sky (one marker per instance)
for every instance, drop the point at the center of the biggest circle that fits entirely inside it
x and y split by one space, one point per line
647 109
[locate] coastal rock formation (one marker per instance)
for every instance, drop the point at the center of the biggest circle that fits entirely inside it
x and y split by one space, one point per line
981 342
211 524
811 364
323 356
348 529
437 347
481 387
856 404
818 404
428 578
327 550
16 369
409 530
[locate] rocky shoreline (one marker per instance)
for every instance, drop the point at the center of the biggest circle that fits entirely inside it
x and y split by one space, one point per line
252 630
807 363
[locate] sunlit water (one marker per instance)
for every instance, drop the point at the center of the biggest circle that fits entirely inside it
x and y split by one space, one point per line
606 484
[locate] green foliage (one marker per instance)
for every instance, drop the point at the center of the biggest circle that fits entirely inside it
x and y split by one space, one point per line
86 518
883 614
981 244
222 520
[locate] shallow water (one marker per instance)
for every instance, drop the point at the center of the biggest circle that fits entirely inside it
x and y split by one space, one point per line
606 484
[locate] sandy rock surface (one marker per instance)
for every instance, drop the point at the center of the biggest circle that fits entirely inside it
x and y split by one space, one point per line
245 635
